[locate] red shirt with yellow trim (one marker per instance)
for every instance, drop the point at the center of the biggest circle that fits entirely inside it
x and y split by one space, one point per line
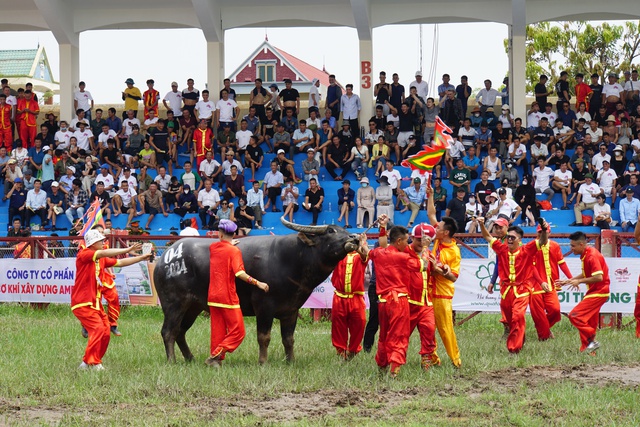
202 141
226 264
393 269
86 290
28 118
348 276
446 254
515 267
418 285
547 261
593 263
5 116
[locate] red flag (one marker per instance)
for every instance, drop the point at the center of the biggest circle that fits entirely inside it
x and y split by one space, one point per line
92 216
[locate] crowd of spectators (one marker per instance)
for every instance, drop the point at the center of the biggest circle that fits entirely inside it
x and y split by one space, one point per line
131 165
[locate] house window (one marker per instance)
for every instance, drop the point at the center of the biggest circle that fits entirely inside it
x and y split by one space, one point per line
266 71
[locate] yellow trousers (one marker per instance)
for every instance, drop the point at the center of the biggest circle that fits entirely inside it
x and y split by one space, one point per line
444 323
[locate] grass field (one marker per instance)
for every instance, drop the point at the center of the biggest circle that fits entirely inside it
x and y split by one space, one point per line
549 383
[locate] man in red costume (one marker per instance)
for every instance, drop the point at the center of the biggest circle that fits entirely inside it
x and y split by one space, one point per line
28 110
595 274
348 311
544 303
86 296
202 141
393 267
516 277
150 97
6 119
225 265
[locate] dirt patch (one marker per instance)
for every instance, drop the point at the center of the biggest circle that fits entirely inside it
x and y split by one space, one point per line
628 375
12 414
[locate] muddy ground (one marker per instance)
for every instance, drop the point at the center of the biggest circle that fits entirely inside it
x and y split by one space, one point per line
289 407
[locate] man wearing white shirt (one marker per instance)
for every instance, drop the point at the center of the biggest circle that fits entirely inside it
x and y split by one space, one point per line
598 159
82 99
62 136
227 109
84 136
208 200
314 96
422 88
205 108
106 178
393 176
174 97
607 181
550 115
586 198
508 208
209 167
127 124
151 122
350 106
127 176
632 91
255 200
542 175
125 198
273 182
562 182
486 97
163 180
73 126
534 116
107 134
36 203
612 93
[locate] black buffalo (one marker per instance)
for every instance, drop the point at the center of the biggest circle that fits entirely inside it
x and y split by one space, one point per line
292 265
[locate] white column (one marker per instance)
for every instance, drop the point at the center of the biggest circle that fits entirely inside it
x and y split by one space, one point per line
69 78
215 68
517 60
366 81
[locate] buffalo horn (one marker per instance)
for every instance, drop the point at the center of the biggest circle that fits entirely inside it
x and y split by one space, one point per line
309 229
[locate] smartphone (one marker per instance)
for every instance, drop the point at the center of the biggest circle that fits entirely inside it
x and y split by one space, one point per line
146 248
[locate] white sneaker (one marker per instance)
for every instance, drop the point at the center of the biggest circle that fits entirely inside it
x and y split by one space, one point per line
98 367
83 366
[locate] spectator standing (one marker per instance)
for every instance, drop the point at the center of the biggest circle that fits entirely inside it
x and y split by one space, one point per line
131 95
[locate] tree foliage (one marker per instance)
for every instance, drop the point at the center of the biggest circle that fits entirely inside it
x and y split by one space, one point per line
579 47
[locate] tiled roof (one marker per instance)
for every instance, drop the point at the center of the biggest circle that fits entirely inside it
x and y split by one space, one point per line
17 62
307 70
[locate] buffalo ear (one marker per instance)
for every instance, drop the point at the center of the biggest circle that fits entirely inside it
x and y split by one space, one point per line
306 240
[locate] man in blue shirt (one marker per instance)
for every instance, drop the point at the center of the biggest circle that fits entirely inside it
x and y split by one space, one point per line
17 197
445 86
36 155
629 208
114 122
472 162
345 201
416 195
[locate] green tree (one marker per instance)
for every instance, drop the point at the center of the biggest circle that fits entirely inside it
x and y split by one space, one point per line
579 47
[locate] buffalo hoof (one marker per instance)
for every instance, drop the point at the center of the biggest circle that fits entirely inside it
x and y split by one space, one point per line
213 362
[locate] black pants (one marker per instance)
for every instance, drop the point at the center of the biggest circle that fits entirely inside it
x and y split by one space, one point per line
272 194
372 325
314 211
183 211
14 212
42 213
206 219
260 112
604 225
346 167
355 127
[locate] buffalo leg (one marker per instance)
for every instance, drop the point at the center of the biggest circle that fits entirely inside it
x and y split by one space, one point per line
264 324
173 315
187 321
287 328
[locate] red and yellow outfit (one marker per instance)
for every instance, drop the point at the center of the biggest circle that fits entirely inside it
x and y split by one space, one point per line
6 131
201 144
582 91
586 314
227 324
348 312
150 99
442 291
28 128
421 314
392 275
516 284
86 306
545 306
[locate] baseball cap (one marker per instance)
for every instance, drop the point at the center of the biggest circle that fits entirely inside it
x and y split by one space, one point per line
417 180
72 168
17 180
502 222
174 83
55 184
418 73
629 190
128 81
92 237
461 190
423 229
280 151
588 175
104 166
310 150
502 191
273 85
46 148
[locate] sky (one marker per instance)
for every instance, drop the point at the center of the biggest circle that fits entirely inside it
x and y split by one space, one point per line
183 54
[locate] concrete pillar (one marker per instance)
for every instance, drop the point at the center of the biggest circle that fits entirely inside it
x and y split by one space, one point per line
215 68
517 61
69 78
366 81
